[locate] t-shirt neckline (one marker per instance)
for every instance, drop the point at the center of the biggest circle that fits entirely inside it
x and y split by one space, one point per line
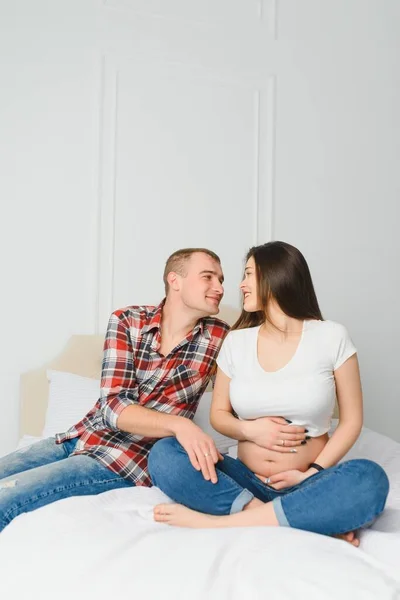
290 361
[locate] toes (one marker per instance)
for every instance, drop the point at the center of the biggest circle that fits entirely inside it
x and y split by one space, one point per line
350 537
160 518
160 513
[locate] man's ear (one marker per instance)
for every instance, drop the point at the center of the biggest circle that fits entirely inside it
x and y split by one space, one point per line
173 280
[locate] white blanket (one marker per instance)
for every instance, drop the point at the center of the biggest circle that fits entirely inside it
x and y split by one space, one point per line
106 546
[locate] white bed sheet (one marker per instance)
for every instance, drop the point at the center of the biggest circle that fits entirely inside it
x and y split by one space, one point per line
109 544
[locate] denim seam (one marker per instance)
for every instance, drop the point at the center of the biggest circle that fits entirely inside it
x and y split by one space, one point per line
65 450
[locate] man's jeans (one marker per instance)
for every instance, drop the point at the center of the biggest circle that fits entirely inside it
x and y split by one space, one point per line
45 472
343 498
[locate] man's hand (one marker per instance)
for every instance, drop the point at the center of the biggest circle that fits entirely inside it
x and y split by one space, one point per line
286 479
274 433
200 447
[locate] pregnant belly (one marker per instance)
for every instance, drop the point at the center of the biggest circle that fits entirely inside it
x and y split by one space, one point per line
265 463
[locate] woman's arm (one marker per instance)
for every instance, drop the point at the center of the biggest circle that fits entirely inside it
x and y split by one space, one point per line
265 431
221 414
349 397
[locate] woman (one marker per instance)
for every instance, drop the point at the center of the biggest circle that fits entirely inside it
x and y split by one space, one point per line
280 358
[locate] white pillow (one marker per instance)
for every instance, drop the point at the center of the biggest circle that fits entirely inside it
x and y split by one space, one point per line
202 419
70 398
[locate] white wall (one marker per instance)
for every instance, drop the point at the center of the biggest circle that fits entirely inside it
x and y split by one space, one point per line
49 105
338 176
131 128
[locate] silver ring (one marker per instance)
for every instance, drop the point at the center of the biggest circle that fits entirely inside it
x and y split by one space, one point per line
293 450
267 480
208 454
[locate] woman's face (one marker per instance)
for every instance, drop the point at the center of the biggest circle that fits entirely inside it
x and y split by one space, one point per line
249 287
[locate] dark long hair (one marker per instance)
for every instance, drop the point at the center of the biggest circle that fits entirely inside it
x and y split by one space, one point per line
283 274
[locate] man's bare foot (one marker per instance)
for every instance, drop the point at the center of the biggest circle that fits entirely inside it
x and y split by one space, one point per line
181 516
350 537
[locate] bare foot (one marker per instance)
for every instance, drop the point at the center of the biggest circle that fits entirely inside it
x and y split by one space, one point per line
350 537
176 514
181 516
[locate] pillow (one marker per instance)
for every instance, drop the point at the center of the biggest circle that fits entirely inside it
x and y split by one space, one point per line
202 419
70 398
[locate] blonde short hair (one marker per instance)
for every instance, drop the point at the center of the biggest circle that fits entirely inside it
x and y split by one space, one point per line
177 262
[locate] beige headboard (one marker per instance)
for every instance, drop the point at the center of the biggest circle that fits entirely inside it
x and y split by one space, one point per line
82 355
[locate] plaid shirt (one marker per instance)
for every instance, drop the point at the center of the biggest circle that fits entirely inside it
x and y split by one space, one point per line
133 372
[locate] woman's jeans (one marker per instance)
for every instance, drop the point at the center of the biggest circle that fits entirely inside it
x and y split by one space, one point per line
45 472
337 500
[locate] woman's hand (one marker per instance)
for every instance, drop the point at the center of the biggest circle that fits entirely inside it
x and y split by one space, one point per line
286 479
274 433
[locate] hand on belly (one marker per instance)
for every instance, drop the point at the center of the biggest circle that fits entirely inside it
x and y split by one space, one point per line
265 462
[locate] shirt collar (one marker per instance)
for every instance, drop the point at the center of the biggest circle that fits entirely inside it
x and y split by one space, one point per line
202 327
154 318
154 322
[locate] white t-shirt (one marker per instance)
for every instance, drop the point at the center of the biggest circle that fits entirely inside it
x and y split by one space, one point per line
303 390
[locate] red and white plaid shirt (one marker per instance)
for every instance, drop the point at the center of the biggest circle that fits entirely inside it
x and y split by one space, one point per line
133 372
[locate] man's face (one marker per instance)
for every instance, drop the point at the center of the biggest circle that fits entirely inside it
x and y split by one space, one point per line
201 289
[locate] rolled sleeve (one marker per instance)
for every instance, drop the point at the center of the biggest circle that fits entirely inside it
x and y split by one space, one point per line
119 387
113 406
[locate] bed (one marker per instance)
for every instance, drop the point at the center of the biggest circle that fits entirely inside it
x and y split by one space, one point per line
104 546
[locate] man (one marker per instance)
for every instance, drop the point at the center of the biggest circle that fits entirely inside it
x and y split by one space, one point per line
157 363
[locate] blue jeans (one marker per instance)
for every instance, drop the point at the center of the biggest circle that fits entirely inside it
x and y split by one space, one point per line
342 498
45 472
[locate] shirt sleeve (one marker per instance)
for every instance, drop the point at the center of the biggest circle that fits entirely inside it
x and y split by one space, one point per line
118 388
224 358
344 347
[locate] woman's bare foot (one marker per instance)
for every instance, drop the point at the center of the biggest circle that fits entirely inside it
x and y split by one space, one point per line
350 537
176 514
181 516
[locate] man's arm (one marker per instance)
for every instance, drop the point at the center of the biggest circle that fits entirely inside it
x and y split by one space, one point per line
118 388
149 422
121 409
199 446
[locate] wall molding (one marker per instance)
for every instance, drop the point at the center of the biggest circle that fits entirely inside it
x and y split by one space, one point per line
270 158
264 189
107 193
262 217
262 13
